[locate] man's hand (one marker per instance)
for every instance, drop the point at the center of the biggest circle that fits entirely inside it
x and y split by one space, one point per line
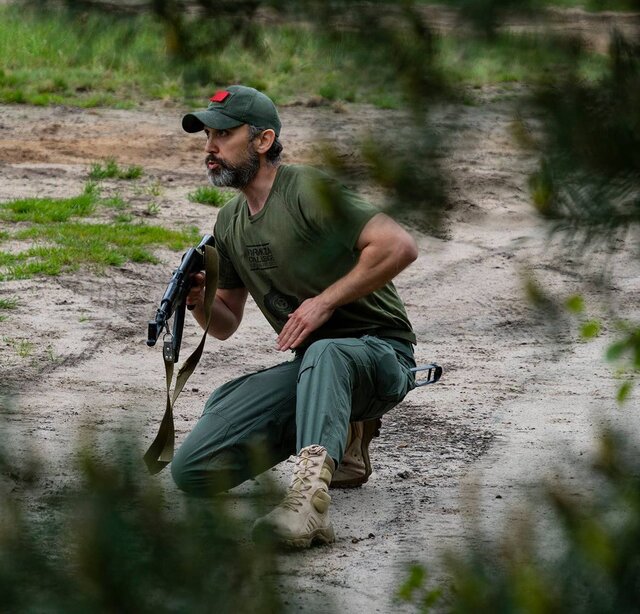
311 315
196 293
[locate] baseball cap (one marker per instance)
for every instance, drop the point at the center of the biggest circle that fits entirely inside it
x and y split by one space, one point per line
234 106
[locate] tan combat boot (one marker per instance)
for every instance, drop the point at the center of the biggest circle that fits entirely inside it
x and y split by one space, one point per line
355 468
303 516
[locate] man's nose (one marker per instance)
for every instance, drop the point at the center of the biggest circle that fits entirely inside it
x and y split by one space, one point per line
210 145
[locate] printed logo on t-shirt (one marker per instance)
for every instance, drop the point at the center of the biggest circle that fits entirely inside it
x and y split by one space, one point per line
280 305
260 257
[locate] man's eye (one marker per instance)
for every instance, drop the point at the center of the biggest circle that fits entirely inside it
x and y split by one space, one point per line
223 132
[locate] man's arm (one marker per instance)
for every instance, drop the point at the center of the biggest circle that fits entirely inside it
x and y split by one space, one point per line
228 308
385 250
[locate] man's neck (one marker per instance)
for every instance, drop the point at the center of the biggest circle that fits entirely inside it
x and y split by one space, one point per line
258 190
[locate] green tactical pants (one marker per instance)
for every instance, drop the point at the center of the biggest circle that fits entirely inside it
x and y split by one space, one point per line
256 421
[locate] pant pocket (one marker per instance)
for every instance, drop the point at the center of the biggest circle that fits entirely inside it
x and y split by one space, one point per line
393 380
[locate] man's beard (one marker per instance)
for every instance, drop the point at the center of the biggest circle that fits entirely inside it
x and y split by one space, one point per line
229 175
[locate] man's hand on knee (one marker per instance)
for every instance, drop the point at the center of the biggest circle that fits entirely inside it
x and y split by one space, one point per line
310 316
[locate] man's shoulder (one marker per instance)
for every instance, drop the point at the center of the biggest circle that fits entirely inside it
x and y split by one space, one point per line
226 216
300 175
231 208
301 183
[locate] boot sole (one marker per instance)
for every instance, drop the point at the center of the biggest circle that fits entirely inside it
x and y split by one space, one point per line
371 430
318 537
325 536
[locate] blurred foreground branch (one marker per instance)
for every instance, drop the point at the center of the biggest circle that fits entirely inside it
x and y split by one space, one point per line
585 558
111 541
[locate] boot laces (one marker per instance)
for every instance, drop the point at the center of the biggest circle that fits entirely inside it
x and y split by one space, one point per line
300 483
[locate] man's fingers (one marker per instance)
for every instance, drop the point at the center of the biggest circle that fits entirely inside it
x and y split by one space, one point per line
290 334
294 342
287 334
304 333
196 290
197 279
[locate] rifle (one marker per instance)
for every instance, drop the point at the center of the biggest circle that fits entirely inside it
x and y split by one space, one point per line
174 301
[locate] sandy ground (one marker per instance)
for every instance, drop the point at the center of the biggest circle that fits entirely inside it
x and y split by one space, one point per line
516 399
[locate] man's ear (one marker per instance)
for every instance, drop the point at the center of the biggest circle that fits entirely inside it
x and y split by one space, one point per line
265 140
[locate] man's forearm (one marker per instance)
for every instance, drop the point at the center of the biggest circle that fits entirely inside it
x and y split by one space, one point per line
223 321
376 267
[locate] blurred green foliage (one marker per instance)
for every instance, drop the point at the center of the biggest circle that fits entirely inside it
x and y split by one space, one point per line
625 353
498 8
590 173
487 15
587 186
113 541
567 554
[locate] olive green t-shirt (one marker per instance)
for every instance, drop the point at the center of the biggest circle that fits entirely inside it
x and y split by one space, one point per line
302 241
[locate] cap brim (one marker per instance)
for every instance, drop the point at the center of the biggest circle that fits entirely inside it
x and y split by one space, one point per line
194 122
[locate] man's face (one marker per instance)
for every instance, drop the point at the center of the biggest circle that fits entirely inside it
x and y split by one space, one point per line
232 160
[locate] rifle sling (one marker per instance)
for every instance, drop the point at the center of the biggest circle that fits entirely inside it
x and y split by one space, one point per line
160 452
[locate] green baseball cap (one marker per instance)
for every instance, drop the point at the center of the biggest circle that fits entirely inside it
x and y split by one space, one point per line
234 106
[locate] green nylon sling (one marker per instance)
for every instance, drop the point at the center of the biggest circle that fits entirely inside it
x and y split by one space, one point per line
160 452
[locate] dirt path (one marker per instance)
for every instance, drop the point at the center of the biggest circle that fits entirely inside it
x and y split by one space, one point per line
504 404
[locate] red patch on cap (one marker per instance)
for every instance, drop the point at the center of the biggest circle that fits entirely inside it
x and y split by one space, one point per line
220 96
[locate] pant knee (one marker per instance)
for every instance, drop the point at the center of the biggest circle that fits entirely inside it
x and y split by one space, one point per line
206 479
195 480
320 350
185 479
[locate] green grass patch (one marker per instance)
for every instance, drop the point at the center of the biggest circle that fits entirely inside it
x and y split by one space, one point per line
8 303
122 235
210 195
22 347
60 242
50 59
511 58
111 170
43 210
67 247
115 202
